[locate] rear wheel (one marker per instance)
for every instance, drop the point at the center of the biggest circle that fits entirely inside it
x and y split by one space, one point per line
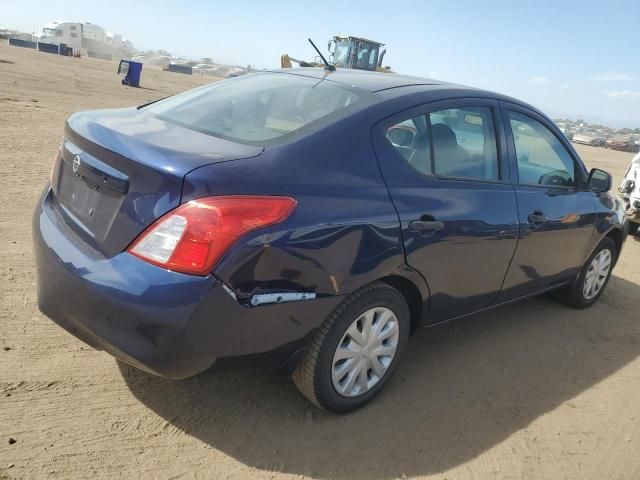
356 350
585 290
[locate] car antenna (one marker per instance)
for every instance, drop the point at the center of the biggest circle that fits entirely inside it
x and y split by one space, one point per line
328 66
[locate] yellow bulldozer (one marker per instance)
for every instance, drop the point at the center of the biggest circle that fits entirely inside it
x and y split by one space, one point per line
346 51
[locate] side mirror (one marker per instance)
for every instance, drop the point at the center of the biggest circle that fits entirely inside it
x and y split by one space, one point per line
599 181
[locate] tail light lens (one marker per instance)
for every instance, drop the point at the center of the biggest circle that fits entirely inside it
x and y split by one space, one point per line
193 237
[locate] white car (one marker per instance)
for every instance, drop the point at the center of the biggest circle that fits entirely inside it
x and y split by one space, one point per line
585 138
630 190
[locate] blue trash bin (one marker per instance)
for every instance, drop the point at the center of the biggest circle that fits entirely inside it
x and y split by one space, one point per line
131 72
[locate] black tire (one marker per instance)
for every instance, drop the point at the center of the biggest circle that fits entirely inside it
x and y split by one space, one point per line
313 374
633 228
574 294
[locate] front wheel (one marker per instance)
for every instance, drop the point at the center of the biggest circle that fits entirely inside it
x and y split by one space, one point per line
633 228
587 287
356 350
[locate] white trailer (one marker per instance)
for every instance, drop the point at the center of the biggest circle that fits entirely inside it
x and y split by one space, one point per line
69 33
86 37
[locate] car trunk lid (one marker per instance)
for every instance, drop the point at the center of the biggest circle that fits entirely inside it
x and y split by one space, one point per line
122 169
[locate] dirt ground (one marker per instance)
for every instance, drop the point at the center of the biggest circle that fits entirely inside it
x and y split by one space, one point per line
534 390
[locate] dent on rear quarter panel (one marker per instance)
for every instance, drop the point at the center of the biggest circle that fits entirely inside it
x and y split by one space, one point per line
344 232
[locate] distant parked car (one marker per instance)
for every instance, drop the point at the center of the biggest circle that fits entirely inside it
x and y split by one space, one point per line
565 129
588 138
201 66
601 139
621 142
236 73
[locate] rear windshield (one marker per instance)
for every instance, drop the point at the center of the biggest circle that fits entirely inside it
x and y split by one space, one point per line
255 108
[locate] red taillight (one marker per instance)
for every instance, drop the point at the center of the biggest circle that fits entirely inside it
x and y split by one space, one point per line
194 236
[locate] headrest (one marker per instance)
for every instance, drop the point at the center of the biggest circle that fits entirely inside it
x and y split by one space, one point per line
443 136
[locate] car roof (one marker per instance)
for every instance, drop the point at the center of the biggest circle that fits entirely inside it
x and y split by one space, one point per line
393 85
365 80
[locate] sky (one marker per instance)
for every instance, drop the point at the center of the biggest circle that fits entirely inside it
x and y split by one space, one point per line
569 58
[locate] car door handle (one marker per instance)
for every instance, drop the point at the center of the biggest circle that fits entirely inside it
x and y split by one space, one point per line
425 225
537 218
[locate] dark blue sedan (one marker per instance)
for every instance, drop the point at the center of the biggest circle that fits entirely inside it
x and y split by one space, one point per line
313 220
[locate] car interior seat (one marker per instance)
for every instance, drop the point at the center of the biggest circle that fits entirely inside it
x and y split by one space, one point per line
451 159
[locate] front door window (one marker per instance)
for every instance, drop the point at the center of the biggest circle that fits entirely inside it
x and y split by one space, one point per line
542 159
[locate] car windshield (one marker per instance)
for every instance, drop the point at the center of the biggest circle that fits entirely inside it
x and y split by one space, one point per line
255 108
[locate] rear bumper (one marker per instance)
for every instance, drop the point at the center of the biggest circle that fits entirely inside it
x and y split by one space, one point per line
166 323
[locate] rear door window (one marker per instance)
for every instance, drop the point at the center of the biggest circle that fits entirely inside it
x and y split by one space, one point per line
464 143
451 143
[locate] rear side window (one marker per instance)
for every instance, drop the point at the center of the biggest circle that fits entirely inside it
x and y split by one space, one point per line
464 143
453 143
256 108
542 159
